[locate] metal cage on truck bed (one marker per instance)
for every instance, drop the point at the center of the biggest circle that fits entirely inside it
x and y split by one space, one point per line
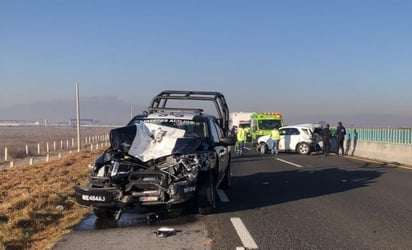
159 103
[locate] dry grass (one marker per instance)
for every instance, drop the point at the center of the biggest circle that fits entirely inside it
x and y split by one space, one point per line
32 198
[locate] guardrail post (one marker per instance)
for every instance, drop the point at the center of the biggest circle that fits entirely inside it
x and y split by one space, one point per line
38 148
27 150
5 154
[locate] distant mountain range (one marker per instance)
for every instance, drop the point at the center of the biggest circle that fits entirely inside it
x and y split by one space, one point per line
105 109
110 110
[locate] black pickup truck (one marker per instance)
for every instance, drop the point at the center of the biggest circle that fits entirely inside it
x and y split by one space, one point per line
173 155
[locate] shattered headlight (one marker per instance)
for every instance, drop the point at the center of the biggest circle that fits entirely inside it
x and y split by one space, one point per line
184 166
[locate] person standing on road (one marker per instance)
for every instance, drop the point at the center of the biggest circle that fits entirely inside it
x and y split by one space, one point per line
340 134
326 139
275 136
241 138
233 131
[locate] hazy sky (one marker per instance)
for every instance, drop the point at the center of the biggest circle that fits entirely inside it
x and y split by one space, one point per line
298 57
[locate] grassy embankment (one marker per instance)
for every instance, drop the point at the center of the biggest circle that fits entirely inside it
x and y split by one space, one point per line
37 202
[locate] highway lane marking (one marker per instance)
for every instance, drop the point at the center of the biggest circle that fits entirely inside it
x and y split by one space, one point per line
290 163
222 195
244 235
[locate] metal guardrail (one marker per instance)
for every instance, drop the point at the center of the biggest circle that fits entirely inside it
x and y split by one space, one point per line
381 135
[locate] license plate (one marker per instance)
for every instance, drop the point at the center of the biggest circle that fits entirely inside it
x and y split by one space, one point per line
92 196
96 198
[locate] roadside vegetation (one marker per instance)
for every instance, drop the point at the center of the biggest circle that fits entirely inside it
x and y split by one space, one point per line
37 205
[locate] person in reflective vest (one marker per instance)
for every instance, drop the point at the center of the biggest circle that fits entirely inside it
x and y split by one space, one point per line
275 136
241 138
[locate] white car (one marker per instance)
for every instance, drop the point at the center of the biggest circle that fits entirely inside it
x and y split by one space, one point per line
302 138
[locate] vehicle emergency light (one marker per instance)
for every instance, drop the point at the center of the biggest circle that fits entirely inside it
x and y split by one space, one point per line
277 115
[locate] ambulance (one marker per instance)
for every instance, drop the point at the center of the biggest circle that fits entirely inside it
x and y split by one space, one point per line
263 123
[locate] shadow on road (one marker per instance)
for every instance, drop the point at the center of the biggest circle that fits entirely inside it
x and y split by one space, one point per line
253 191
271 188
140 217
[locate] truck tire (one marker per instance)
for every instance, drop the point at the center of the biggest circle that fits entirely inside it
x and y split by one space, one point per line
206 196
226 182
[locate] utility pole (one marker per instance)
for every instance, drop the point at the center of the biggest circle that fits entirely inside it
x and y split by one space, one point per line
131 111
78 117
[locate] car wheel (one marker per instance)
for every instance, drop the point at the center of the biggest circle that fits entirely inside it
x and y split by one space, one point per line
226 182
104 213
303 148
206 197
263 149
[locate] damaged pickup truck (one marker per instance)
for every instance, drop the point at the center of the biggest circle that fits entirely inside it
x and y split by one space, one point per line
172 156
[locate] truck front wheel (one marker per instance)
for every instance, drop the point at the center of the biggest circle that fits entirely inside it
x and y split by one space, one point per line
206 196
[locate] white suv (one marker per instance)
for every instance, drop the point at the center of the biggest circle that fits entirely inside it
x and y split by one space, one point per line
302 138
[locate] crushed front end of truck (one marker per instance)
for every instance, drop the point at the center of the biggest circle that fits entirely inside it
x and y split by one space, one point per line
146 165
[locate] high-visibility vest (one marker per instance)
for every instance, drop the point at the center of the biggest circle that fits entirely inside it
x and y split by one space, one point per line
275 134
241 135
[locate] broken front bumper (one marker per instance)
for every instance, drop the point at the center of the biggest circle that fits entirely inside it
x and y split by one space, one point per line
99 197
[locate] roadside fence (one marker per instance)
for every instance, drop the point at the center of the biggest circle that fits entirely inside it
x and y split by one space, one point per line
381 135
45 151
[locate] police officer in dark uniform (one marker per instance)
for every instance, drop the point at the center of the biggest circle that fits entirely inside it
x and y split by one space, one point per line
326 139
340 134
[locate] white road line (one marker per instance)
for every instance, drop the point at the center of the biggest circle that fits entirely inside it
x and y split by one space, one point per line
290 163
244 235
222 195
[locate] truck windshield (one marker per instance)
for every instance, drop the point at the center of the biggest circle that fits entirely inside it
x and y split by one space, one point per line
269 124
192 128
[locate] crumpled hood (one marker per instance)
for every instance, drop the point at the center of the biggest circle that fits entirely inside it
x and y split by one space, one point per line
147 141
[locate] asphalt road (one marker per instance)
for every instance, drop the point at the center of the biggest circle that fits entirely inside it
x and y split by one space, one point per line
285 202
